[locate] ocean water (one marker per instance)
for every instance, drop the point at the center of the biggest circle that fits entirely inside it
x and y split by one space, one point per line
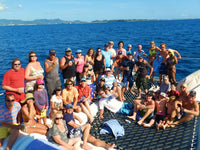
182 35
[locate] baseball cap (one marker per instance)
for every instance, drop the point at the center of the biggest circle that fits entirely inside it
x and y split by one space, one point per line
139 56
129 45
68 49
52 52
150 93
79 51
192 93
163 94
83 79
39 81
108 69
102 79
106 45
68 106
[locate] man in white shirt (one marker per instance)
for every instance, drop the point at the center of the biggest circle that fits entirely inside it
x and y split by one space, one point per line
111 44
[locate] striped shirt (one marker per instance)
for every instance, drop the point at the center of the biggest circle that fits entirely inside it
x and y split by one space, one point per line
9 116
109 81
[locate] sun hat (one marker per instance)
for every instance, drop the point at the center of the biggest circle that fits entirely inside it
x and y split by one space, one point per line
52 52
68 49
39 81
27 97
79 51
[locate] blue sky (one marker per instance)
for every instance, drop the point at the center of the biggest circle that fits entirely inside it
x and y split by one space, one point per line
89 10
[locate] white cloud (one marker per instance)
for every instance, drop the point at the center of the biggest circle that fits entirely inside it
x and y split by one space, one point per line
19 6
3 7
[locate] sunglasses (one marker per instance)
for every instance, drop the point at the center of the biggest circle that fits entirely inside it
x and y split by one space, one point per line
17 64
57 118
69 84
99 51
33 56
7 100
101 93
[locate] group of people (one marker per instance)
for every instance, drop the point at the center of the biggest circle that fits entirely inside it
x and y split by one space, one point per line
104 76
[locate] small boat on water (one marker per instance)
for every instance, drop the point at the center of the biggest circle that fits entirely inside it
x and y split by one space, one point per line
182 137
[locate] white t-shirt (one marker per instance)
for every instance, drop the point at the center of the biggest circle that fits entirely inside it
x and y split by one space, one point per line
113 52
57 102
110 103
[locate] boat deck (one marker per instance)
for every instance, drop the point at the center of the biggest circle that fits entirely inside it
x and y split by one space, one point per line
183 136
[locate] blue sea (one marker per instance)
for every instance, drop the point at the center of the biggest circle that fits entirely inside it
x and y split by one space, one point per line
182 35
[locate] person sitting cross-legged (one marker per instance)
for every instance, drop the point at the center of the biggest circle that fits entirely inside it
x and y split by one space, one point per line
82 131
145 106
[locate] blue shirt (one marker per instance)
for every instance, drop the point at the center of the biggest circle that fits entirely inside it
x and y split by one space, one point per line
68 118
130 64
109 81
108 56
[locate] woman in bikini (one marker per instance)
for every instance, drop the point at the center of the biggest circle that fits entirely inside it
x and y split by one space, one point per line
33 72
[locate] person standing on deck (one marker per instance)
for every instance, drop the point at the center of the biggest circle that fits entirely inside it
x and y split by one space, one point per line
110 45
164 53
67 65
142 76
52 78
108 55
13 81
121 49
139 52
8 121
129 49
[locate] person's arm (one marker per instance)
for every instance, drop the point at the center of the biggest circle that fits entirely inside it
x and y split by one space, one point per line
77 118
75 99
12 126
194 112
104 63
136 68
73 124
151 69
64 97
27 74
17 90
62 63
101 114
49 68
58 140
86 58
175 60
37 101
151 106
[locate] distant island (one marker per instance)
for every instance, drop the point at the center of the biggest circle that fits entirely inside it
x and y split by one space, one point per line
13 22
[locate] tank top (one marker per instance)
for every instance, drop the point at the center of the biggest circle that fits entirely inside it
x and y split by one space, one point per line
69 71
98 64
80 65
53 74
152 51
142 69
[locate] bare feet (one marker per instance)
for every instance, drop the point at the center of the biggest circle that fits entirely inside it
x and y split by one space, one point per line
140 122
132 117
139 96
111 146
87 147
91 119
132 92
146 125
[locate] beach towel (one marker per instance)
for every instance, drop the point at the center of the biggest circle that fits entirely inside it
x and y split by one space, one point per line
113 127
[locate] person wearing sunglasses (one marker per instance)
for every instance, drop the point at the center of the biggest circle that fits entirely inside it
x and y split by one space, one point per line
13 80
41 100
29 115
33 72
8 120
58 134
70 95
83 131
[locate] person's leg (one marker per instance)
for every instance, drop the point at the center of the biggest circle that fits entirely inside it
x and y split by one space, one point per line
144 84
86 103
86 131
99 143
136 106
152 121
123 90
184 119
84 109
12 139
138 87
119 93
76 142
97 76
149 111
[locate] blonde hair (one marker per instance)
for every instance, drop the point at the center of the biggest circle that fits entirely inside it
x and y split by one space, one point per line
53 118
